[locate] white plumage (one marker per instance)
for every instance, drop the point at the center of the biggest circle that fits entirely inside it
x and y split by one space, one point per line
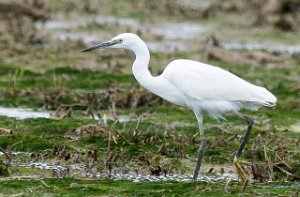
198 86
212 89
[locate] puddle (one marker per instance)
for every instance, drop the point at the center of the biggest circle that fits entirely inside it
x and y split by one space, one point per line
180 30
53 25
173 34
16 153
119 118
92 38
86 38
23 113
80 171
167 46
84 21
61 29
112 20
175 177
288 49
42 166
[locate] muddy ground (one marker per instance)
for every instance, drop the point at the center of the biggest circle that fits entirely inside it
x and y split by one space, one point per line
74 123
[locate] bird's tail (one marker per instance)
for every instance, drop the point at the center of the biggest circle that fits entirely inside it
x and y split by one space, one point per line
269 104
268 99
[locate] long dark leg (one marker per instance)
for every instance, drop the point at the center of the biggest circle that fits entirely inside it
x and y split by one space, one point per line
250 122
200 152
238 153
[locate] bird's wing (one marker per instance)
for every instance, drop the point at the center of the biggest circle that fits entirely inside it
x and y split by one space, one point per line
204 82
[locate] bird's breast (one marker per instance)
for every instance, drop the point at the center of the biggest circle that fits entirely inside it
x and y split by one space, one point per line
172 96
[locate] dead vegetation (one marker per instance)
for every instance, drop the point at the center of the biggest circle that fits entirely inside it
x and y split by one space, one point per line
254 58
282 14
90 102
215 51
17 24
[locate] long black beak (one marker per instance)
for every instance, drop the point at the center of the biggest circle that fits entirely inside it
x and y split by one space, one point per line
102 45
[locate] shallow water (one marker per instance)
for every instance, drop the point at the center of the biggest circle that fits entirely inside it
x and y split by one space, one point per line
168 46
288 49
180 30
16 153
93 38
85 37
174 34
80 171
23 113
83 21
173 177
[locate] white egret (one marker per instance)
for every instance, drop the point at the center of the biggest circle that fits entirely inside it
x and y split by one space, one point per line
200 87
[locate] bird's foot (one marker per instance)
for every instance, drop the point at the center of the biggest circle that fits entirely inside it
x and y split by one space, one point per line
239 169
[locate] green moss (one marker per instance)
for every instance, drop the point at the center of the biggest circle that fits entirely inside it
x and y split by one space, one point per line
73 187
3 169
279 36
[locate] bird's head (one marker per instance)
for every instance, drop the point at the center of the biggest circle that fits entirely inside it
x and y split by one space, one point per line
122 41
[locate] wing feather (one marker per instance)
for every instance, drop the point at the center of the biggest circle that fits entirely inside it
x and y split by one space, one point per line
203 82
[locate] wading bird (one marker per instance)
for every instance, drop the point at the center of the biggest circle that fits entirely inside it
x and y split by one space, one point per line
200 87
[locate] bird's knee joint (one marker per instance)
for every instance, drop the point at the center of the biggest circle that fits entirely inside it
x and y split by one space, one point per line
250 121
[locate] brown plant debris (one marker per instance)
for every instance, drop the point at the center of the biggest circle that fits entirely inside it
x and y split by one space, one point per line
90 129
20 9
5 131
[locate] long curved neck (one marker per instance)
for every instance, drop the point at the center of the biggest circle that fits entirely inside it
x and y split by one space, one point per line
140 67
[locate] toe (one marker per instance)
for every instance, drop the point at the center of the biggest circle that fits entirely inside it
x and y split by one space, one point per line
240 171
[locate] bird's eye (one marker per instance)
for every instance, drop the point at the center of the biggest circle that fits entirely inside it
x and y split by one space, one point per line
120 41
